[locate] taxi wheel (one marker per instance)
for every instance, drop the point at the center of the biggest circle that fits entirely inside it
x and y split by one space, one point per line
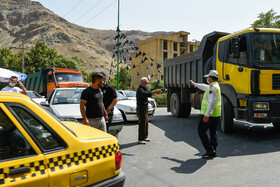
226 116
276 125
176 107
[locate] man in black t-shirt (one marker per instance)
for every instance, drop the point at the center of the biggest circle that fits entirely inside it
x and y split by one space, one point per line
91 104
110 99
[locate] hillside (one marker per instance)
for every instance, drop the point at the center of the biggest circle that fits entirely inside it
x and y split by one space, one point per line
30 21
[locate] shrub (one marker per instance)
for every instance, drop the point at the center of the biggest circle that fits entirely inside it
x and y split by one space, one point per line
161 99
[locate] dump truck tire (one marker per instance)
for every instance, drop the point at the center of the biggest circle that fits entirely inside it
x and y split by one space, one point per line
226 116
176 107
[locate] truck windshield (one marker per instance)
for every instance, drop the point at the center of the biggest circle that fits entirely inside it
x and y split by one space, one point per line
68 77
266 48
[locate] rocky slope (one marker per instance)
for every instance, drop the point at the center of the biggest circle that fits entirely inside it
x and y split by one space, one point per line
30 21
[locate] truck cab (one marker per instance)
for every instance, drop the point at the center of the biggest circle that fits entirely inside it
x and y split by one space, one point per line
44 81
249 66
64 78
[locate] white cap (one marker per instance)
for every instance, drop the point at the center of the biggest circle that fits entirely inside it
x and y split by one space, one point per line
212 73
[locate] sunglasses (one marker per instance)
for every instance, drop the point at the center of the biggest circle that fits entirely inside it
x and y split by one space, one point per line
13 81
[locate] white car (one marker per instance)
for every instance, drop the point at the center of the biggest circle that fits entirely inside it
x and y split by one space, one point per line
130 94
128 108
64 103
35 96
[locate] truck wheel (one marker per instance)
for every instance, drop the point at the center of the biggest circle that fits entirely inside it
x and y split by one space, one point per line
177 109
276 125
208 65
226 116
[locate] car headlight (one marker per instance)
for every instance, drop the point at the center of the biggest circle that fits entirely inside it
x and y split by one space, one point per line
133 109
117 117
260 105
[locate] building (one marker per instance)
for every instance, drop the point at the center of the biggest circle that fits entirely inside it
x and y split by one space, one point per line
148 60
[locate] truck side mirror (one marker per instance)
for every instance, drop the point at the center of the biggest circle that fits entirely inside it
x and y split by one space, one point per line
85 79
235 43
49 77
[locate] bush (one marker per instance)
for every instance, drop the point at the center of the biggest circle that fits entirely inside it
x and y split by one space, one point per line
161 99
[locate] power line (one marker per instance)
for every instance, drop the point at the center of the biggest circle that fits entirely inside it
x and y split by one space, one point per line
73 8
88 11
100 12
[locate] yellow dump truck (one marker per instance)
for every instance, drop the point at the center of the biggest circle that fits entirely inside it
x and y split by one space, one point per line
248 63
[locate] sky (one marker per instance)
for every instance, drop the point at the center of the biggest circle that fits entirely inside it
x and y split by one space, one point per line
198 17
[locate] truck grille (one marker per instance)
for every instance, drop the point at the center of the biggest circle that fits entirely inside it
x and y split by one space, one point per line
276 81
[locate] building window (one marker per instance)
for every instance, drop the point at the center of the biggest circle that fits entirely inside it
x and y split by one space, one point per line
175 54
165 55
191 48
165 44
175 48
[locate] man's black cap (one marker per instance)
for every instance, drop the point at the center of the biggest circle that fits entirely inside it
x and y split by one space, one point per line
102 73
97 75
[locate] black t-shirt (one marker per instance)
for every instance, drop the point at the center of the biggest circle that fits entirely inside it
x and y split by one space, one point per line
142 95
94 105
109 93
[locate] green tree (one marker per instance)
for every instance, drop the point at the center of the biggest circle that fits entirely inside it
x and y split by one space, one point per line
124 79
267 20
155 84
40 56
9 60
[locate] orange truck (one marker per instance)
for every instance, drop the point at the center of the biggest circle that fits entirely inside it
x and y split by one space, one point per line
44 81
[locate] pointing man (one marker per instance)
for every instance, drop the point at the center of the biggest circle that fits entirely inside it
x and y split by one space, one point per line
142 95
211 112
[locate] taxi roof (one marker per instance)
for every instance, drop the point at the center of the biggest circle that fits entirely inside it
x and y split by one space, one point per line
13 94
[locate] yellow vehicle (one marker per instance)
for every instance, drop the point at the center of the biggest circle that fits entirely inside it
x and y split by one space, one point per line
248 63
38 150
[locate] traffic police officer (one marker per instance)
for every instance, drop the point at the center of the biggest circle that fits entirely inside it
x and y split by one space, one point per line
211 112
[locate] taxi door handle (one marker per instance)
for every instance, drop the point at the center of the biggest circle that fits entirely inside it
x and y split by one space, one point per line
19 170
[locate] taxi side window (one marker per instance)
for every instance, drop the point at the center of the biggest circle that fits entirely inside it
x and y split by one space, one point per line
12 143
38 130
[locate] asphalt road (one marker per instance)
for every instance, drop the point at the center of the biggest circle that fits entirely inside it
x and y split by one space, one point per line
248 157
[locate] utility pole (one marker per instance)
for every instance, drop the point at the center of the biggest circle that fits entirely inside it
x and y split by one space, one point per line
118 57
22 65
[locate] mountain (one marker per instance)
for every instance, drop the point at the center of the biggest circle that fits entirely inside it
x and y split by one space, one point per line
29 21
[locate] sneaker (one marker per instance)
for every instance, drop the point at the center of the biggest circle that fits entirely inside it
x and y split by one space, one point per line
147 140
141 142
209 154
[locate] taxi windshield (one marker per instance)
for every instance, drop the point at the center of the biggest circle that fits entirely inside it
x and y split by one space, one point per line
266 48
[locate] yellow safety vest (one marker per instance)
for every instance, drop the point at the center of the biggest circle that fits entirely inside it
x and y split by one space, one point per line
205 102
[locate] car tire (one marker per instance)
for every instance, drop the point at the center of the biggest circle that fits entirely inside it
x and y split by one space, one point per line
226 116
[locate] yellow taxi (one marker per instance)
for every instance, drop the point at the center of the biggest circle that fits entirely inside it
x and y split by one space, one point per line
38 150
